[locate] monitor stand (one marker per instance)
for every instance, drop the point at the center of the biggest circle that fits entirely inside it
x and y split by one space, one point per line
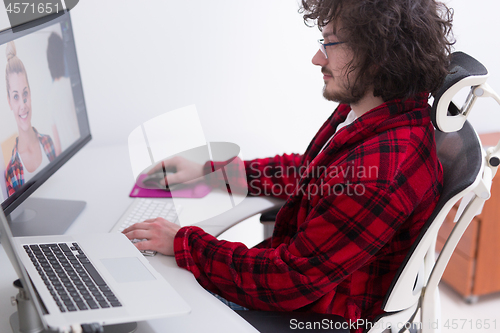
39 216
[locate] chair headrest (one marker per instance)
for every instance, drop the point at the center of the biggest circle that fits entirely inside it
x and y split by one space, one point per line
465 71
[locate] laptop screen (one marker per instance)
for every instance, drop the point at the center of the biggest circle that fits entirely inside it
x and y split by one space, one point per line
43 119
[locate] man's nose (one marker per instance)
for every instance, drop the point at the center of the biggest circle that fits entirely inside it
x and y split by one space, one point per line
319 59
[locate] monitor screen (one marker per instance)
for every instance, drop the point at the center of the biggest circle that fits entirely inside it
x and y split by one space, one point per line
43 119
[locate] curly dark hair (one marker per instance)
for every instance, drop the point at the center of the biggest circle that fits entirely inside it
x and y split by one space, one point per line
400 47
55 56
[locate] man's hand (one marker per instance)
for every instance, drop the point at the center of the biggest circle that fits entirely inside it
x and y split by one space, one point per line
159 234
186 171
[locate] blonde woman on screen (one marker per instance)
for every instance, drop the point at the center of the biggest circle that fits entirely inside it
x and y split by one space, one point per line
32 150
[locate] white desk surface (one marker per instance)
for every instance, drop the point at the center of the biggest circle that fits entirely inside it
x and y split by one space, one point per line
102 177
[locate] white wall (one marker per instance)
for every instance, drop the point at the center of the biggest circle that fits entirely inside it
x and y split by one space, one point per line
246 64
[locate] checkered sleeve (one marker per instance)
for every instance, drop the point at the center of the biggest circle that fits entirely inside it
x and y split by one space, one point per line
14 178
340 234
48 146
10 181
260 176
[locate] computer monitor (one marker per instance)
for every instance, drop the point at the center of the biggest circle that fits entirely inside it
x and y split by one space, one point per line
43 121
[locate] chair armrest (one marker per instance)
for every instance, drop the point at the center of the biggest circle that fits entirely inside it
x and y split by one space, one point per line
270 215
267 219
249 207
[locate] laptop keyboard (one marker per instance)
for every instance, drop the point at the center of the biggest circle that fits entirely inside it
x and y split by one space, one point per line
70 277
145 209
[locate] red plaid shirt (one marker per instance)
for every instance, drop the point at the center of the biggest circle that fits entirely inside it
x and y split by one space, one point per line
332 251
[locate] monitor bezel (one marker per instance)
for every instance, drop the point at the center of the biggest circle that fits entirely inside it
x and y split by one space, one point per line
16 199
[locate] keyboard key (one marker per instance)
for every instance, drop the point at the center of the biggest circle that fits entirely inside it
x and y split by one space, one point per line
104 288
92 304
82 306
94 274
64 247
104 304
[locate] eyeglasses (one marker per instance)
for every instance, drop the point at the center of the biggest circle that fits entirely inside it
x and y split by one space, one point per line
322 46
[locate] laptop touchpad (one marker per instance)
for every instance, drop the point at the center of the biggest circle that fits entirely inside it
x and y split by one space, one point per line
127 270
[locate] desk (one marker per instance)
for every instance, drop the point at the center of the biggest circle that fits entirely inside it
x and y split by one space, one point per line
102 177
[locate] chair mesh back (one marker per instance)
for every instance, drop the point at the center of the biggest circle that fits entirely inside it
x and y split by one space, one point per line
460 155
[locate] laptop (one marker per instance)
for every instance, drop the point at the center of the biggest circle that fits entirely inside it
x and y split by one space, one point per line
87 279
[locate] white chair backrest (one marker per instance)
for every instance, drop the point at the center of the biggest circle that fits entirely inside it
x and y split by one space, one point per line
465 71
460 153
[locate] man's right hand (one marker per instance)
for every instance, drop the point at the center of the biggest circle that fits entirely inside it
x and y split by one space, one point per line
186 171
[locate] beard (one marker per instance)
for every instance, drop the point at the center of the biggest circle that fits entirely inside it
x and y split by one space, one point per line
351 93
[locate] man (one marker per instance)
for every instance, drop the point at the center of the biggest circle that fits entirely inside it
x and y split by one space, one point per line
362 190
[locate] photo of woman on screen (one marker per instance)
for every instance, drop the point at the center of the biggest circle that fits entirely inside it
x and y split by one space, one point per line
32 151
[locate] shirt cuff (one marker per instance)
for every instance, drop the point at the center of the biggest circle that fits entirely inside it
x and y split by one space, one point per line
184 244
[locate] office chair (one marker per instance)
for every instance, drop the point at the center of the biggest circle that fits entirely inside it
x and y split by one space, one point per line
467 168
